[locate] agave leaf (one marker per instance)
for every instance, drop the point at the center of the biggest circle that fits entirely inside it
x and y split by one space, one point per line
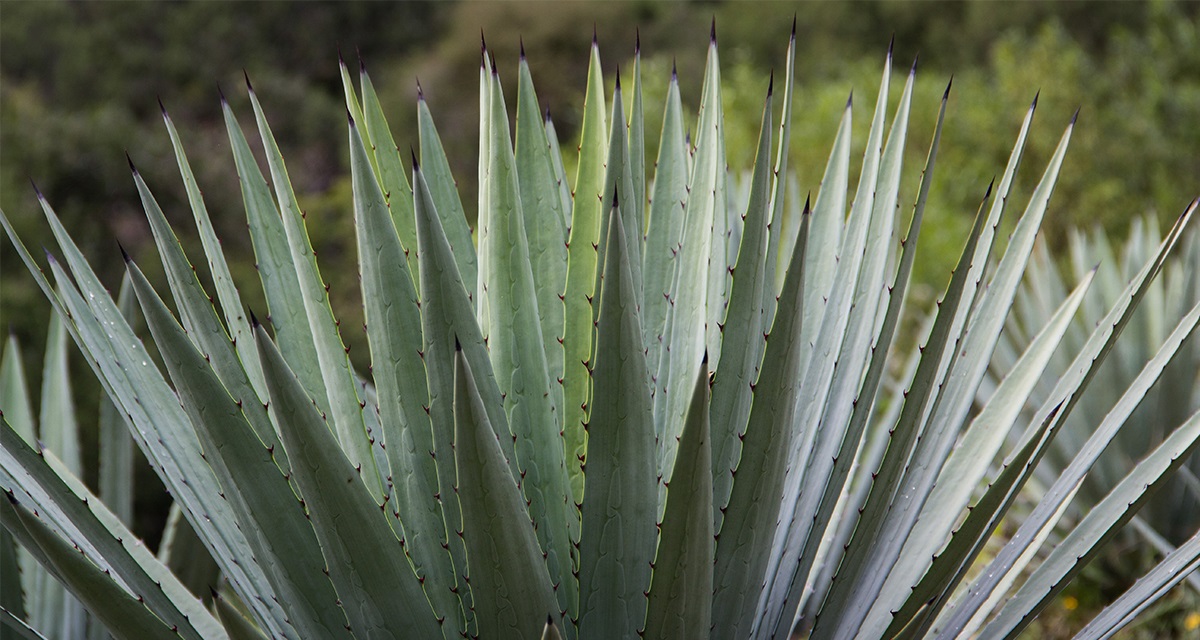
836 276
583 238
544 225
344 410
152 411
619 180
115 444
637 150
28 478
246 466
513 592
487 66
444 194
750 518
817 364
125 616
1176 566
743 333
393 312
667 203
697 303
353 107
17 411
829 220
617 543
837 610
969 362
680 600
560 174
1097 527
392 176
52 608
59 429
202 324
830 464
1069 481
447 316
376 585
227 293
779 182
981 441
14 391
13 623
518 357
235 623
160 574
1070 386
273 261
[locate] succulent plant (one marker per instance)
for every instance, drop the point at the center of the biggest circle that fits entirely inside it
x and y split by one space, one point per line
616 407
1172 516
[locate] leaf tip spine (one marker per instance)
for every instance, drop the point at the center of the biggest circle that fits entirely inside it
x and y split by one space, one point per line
161 107
637 41
521 40
595 36
128 159
771 84
793 27
221 93
420 91
416 165
712 32
916 59
891 47
850 100
457 344
1037 95
246 75
254 323
808 203
36 190
124 253
946 94
1076 116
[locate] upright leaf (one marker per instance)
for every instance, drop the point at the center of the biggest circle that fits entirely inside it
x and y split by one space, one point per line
378 589
665 227
514 595
750 519
544 226
393 321
617 543
583 238
697 303
518 357
736 373
680 600
345 410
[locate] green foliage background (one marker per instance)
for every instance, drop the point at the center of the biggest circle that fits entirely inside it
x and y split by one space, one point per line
79 81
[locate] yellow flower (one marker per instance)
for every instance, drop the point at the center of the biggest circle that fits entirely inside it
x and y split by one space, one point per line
1070 603
1192 621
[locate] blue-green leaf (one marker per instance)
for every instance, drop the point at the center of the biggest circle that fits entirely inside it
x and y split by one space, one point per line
513 592
617 543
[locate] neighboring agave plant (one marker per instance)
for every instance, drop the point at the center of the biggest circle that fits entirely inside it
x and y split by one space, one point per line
1172 516
618 407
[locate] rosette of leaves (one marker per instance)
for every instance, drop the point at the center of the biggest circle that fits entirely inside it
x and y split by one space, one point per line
617 406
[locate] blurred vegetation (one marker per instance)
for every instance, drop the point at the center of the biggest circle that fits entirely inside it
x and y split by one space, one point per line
80 83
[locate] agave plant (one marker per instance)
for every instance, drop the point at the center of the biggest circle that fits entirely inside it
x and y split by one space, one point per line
616 407
1173 516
